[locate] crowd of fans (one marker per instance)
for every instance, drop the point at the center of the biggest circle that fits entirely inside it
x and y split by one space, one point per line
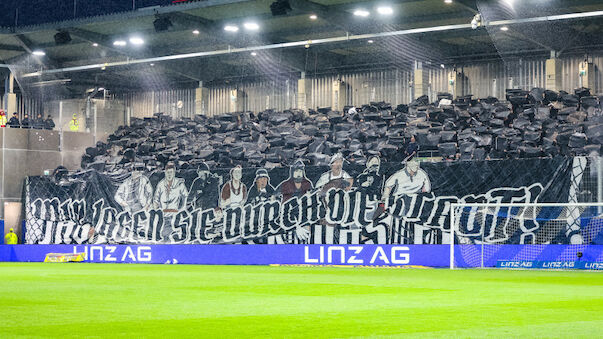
37 123
536 123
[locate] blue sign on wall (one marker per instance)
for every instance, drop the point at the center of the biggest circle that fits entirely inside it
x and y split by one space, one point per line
355 255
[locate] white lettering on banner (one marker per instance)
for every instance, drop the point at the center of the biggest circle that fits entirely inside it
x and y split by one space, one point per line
404 256
109 257
558 264
379 252
357 250
307 256
144 253
516 264
106 253
335 248
97 248
67 222
128 252
593 266
398 255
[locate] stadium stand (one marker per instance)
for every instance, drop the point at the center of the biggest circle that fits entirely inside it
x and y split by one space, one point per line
529 124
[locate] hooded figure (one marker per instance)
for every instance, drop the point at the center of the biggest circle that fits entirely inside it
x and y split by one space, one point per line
205 189
234 192
261 190
11 238
297 184
336 176
371 181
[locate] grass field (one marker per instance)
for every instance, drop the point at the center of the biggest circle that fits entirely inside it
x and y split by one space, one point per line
113 300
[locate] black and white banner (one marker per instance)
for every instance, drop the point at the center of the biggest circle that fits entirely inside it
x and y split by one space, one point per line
393 203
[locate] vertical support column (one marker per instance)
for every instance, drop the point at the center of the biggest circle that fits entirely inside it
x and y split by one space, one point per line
237 100
201 99
338 95
95 111
599 166
553 73
10 98
421 80
452 208
587 75
455 83
304 92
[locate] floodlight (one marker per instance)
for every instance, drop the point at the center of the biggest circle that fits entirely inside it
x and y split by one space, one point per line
361 13
136 41
251 26
385 10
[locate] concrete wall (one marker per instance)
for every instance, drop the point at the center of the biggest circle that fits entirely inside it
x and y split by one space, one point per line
28 152
109 115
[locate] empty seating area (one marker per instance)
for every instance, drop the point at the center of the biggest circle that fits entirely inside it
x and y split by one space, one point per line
528 124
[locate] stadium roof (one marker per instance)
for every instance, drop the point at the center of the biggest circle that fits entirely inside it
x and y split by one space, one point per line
199 26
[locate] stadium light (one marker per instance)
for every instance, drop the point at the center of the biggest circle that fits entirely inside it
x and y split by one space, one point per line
38 53
136 41
362 13
94 44
504 28
313 17
196 32
251 26
448 1
385 10
336 39
370 41
253 54
231 28
119 43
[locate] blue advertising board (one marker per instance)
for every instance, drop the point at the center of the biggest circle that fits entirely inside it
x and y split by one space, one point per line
354 255
545 264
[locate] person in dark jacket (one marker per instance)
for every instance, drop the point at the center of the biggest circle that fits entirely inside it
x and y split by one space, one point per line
39 122
49 123
14 121
411 149
261 190
25 123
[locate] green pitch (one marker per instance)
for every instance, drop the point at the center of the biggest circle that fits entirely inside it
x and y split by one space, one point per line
98 300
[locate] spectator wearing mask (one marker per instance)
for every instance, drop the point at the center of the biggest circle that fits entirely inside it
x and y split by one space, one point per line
49 123
2 119
39 122
25 123
14 121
